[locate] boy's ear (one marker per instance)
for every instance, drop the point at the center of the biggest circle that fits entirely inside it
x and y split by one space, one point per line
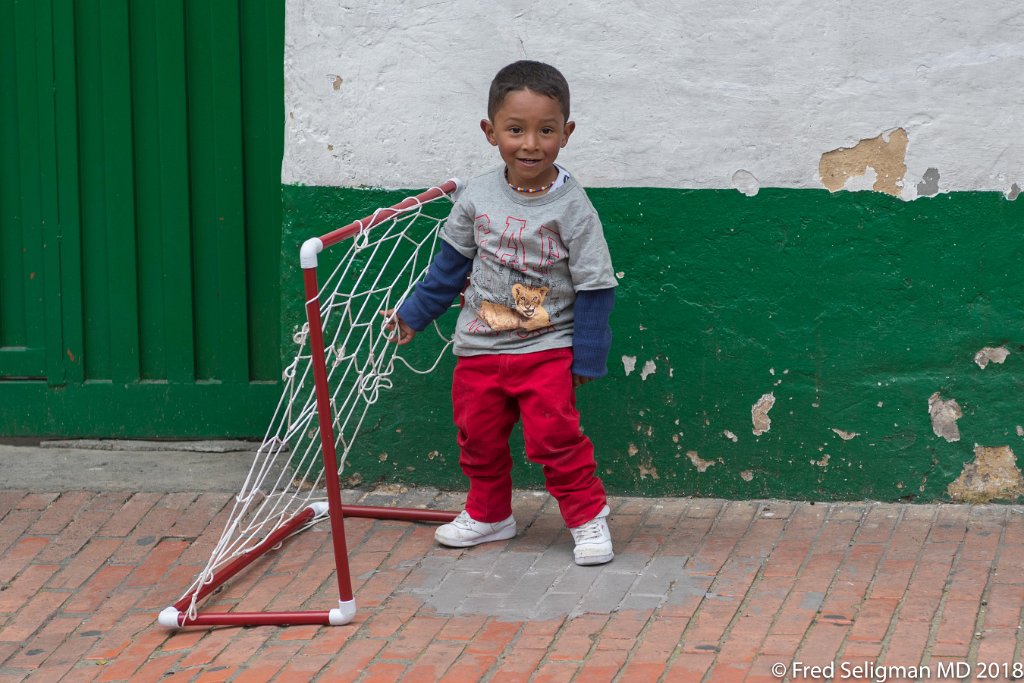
488 128
570 126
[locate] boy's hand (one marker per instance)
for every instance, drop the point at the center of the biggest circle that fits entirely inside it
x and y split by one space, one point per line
401 333
580 380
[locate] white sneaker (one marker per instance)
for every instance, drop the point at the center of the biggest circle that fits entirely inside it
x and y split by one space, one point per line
464 531
593 540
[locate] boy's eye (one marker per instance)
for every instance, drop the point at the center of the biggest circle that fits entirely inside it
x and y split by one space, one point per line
547 131
515 130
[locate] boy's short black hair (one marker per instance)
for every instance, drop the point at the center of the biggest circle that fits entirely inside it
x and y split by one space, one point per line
528 75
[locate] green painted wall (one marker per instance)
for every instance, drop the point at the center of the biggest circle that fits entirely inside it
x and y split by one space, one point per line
851 308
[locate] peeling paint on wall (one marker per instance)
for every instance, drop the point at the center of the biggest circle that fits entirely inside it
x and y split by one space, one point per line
993 475
944 415
745 182
649 369
845 436
729 435
1014 192
759 414
825 457
628 364
700 463
648 470
995 355
747 475
929 185
885 156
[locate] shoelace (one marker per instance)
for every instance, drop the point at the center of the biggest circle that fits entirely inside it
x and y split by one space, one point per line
463 519
591 531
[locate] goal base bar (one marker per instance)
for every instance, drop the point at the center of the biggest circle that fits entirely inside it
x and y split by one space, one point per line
173 619
402 514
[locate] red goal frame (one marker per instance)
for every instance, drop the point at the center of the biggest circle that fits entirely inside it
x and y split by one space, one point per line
177 616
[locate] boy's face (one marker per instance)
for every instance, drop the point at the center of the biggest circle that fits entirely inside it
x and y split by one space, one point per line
529 130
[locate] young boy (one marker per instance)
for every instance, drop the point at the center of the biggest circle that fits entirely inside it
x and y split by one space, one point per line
535 321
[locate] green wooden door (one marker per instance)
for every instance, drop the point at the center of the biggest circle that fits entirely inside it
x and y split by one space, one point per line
140 216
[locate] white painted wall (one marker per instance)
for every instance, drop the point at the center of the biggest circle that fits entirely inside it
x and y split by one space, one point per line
666 93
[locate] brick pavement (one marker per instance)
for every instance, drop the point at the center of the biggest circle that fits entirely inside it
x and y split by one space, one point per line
700 589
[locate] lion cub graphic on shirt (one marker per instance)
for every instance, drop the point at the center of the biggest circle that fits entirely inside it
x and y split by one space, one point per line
528 313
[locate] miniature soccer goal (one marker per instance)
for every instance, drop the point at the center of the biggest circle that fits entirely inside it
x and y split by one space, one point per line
343 364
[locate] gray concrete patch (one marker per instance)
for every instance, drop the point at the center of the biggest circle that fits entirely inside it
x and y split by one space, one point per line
45 468
204 446
516 586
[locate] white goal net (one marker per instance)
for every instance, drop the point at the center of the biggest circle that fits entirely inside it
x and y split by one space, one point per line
376 269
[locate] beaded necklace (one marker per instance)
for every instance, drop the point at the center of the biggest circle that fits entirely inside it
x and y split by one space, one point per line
529 190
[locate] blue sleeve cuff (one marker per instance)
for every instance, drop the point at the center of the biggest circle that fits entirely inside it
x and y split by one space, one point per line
444 280
592 335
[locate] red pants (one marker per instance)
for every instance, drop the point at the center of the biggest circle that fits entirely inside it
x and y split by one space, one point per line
489 394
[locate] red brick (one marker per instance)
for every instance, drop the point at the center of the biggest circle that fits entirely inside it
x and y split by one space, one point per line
60 512
822 643
712 554
684 606
34 613
709 625
82 528
209 647
196 518
470 667
156 668
156 562
956 628
873 619
268 663
303 667
556 672
687 536
603 666
780 646
688 668
999 646
465 627
129 660
43 644
787 558
13 528
37 501
494 637
62 660
129 514
413 638
84 563
383 672
119 635
538 635
139 543
352 660
434 661
24 550
950 524
88 597
725 671
625 626
907 644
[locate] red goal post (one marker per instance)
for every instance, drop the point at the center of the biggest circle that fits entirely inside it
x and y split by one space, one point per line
185 612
